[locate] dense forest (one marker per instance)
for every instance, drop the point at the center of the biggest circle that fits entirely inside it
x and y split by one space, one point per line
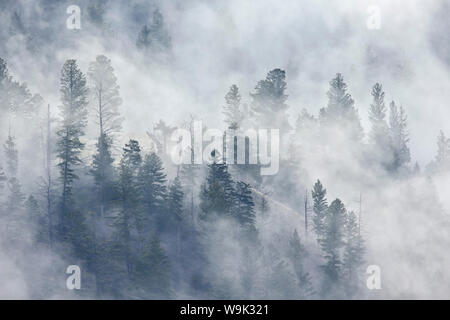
77 189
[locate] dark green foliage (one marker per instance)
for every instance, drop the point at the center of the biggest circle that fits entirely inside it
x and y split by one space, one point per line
152 189
103 171
244 210
331 244
152 271
269 101
320 206
69 146
217 192
129 218
175 200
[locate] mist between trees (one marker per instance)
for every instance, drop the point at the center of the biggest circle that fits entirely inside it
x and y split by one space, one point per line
77 188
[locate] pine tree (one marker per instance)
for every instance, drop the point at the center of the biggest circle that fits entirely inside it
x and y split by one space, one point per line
175 200
341 112
399 137
154 36
244 210
331 244
129 218
12 157
442 160
298 256
152 276
217 193
39 223
231 109
353 254
152 188
3 178
379 133
106 99
269 102
106 102
69 146
320 207
103 171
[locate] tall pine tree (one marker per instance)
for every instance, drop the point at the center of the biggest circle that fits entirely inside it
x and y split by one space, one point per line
69 146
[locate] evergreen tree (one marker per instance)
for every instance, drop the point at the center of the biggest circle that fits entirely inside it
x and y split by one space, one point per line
129 218
399 137
341 112
298 256
353 254
320 207
11 155
217 193
69 146
106 99
39 223
231 109
244 206
331 245
151 181
175 200
103 171
269 102
3 178
442 159
154 36
152 276
379 133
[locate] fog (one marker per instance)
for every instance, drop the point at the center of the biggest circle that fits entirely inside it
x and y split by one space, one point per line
214 44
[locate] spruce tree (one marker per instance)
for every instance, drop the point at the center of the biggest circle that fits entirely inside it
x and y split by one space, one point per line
217 192
379 133
129 219
353 254
11 155
103 171
340 112
231 109
320 207
152 277
154 36
152 188
442 159
105 96
175 200
69 146
244 211
3 178
298 256
269 102
399 137
331 244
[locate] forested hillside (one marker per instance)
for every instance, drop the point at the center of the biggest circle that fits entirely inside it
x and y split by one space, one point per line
87 175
